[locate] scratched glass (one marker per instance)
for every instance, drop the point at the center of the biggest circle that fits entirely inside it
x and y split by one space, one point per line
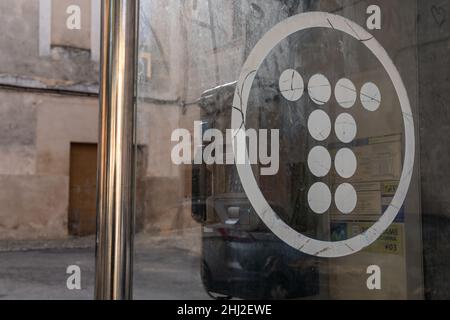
330 122
281 153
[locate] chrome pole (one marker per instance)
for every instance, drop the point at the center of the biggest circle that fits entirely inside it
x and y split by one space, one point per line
115 189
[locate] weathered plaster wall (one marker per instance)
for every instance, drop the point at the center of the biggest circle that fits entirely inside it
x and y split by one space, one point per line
36 131
20 63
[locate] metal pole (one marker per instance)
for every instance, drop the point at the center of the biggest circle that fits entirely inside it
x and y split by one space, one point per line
115 189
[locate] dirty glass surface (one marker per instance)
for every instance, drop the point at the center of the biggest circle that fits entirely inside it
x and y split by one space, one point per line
48 149
294 154
281 152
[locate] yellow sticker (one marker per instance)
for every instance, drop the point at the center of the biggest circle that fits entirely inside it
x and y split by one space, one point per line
390 242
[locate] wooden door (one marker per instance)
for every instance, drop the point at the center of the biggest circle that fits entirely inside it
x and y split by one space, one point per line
82 196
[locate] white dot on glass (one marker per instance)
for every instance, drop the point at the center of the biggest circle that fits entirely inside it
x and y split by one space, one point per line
345 163
345 93
291 85
319 89
345 128
370 96
319 125
319 197
319 161
346 198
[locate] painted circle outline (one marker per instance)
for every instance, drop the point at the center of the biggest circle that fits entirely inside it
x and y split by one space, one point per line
259 53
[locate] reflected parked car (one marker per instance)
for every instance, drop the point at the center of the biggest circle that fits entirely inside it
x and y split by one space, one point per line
241 257
255 265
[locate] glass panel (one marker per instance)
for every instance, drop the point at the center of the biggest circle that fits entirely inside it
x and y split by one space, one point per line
48 149
285 149
280 148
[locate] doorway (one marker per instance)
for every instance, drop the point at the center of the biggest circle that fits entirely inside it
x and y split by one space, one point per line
82 194
83 183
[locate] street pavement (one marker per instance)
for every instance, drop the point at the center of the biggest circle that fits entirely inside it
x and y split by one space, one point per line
166 268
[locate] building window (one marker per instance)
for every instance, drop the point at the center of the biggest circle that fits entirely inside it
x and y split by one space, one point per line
58 27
